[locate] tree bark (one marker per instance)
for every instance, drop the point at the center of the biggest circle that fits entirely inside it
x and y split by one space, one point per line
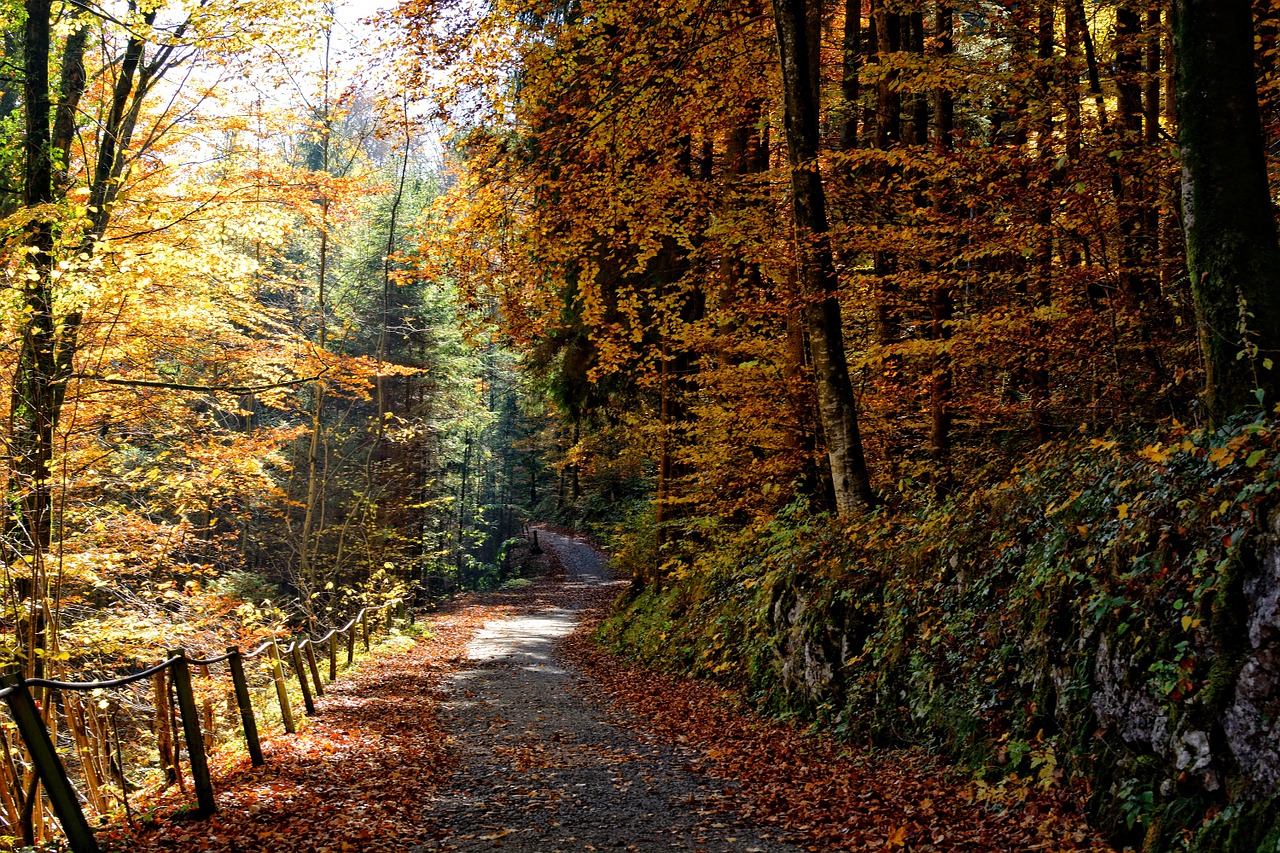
816 264
1232 251
851 67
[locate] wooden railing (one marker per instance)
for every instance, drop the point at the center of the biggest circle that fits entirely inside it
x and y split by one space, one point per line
49 769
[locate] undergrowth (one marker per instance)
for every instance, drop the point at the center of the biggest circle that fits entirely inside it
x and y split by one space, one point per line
1081 622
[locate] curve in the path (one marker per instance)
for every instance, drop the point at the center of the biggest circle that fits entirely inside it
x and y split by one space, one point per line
542 769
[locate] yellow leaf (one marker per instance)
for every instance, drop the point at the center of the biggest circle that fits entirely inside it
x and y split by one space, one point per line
1157 453
1123 511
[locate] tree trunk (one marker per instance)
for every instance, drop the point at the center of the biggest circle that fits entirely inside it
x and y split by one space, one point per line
915 120
1077 19
818 279
313 518
941 301
1130 184
1232 251
888 41
1043 293
46 345
851 66
47 341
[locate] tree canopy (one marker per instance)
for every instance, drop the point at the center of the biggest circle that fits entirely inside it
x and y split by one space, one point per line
294 321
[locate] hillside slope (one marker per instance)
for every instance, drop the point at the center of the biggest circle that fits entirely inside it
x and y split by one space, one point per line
1108 616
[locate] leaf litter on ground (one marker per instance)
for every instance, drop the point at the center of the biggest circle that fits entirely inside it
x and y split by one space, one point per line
354 778
825 794
357 776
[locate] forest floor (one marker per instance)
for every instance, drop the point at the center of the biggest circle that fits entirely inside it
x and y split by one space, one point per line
507 728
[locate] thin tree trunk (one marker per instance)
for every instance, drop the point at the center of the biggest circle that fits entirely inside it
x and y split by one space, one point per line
941 302
1043 294
888 29
384 333
462 505
1135 243
575 484
313 518
851 67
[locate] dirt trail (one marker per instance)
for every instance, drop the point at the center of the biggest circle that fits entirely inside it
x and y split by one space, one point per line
482 737
542 768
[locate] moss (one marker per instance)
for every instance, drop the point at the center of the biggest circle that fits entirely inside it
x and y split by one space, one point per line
1251 828
1229 636
1171 819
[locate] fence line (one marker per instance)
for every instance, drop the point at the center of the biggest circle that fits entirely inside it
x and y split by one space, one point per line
48 766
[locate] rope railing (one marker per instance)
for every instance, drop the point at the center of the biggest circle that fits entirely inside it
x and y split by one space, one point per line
48 766
99 685
211 661
259 650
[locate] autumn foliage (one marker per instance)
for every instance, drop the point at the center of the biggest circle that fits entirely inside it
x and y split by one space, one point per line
1001 187
699 219
231 410
934 340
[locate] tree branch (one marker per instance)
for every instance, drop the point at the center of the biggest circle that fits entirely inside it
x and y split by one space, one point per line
179 386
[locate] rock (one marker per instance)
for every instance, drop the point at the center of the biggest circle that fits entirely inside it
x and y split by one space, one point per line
1192 752
1252 722
1126 707
810 658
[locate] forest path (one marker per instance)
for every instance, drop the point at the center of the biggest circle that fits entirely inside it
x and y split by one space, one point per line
507 728
541 767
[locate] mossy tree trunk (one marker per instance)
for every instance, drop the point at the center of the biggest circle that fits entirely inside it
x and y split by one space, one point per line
1232 252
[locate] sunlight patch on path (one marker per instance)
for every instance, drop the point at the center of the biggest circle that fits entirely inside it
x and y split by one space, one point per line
528 640
541 769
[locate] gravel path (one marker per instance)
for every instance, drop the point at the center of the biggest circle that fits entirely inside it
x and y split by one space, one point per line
540 768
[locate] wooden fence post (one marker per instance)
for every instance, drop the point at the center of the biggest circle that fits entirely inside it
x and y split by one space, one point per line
205 803
282 693
311 665
333 657
250 725
351 643
299 667
48 766
364 624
